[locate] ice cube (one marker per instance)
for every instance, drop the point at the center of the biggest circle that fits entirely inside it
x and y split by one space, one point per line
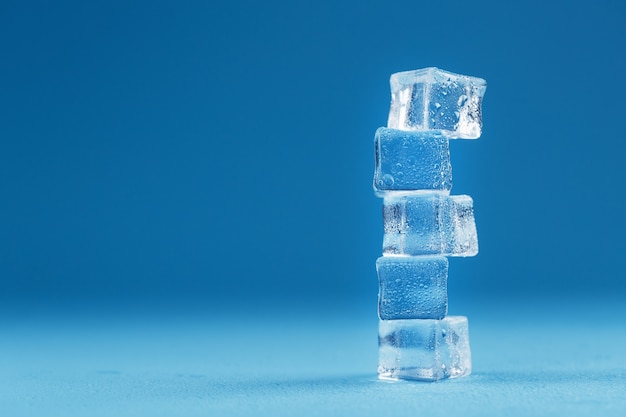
433 99
426 350
412 287
429 224
411 161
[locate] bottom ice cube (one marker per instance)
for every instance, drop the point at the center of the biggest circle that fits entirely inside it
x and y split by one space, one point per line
426 350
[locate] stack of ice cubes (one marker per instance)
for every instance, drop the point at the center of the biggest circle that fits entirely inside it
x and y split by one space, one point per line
423 223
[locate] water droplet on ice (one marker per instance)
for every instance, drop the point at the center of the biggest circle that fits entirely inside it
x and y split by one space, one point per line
388 180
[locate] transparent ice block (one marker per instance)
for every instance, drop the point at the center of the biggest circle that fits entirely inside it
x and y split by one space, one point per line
426 350
411 161
433 99
412 287
429 224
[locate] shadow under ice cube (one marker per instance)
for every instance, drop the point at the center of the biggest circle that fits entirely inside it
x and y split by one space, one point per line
430 98
426 350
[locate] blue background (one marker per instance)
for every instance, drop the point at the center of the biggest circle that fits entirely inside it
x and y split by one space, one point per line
224 150
216 158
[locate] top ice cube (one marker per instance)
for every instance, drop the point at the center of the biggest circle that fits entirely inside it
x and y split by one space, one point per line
433 99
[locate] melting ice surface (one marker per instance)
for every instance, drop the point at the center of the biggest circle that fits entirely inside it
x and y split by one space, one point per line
412 287
411 161
425 350
423 224
433 99
429 224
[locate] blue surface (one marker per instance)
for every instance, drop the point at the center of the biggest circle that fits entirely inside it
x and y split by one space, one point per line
529 359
